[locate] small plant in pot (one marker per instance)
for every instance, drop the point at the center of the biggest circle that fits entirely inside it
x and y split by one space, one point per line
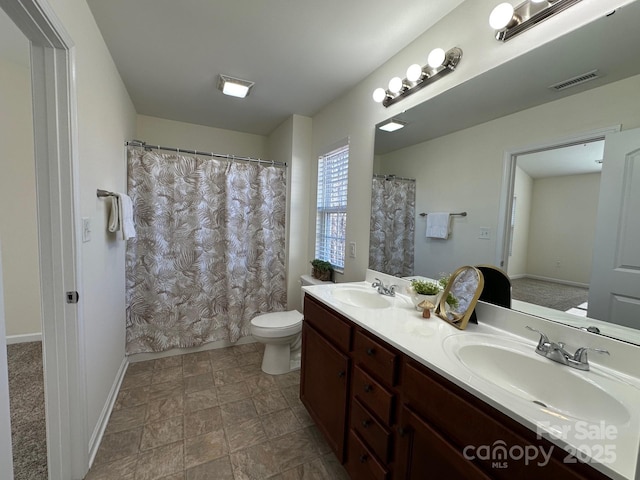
321 269
424 290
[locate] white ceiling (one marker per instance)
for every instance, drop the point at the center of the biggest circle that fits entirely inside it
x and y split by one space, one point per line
302 54
571 160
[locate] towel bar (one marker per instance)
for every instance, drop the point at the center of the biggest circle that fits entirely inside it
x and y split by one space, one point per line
461 214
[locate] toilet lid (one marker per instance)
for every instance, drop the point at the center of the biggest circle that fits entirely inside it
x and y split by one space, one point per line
278 319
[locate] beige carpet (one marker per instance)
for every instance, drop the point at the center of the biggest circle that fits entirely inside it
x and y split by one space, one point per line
548 294
28 427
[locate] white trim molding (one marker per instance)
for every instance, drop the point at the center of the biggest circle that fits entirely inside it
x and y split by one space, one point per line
25 338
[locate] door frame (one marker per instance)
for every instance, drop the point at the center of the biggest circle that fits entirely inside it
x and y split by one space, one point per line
508 180
56 165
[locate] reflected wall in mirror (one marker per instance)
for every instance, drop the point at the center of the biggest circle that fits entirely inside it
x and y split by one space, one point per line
456 144
460 296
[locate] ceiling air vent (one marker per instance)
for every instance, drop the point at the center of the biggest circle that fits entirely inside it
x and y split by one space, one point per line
575 81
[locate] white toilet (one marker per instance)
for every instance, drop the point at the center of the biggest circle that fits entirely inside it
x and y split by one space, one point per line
281 334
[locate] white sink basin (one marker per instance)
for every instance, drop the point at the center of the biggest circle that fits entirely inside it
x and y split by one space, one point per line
556 388
361 297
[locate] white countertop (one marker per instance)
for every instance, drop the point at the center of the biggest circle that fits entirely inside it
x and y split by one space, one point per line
403 327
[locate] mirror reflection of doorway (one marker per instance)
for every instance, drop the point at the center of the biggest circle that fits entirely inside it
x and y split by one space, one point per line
553 221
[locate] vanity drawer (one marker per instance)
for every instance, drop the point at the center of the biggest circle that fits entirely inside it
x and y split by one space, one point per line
375 357
464 420
328 323
375 435
373 395
361 463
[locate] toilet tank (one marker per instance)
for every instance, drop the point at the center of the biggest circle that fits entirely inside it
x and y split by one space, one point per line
307 280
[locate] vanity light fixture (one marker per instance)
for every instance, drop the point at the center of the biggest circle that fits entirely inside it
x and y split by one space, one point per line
392 125
439 63
508 21
234 87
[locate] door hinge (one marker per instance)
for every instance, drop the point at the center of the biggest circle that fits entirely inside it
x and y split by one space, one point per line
72 297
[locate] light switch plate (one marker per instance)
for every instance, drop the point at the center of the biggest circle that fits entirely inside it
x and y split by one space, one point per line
352 249
485 233
86 229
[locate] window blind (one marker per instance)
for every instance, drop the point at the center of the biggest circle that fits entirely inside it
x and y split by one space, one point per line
331 217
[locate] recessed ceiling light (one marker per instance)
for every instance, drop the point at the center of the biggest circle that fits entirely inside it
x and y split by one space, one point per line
392 125
234 87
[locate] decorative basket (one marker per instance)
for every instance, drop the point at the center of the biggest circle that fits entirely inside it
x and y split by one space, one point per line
324 275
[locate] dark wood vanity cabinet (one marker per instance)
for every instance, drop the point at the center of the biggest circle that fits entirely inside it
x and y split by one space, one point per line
325 375
388 417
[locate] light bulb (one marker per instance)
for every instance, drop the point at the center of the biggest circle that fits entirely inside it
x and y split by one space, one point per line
436 58
395 85
501 16
379 94
414 72
538 1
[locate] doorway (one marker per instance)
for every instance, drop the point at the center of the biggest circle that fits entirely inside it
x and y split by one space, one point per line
53 97
548 209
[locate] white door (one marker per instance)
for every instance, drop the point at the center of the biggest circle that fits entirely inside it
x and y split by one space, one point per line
6 458
614 293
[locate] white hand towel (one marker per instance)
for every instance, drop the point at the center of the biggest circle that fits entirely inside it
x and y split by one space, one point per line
438 225
126 216
114 215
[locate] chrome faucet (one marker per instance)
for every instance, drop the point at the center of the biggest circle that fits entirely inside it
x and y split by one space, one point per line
556 352
389 291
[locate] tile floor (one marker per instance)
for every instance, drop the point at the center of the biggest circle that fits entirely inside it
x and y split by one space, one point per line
211 415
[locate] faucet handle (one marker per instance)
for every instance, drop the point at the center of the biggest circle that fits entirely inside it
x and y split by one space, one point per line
544 340
581 353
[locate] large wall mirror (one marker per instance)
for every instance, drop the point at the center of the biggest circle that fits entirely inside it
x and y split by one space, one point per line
523 157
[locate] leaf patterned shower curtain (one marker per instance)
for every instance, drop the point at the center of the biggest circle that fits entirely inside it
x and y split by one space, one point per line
391 245
209 253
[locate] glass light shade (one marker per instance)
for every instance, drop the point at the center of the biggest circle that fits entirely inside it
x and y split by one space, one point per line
436 57
235 90
538 1
395 85
414 72
501 16
392 126
379 94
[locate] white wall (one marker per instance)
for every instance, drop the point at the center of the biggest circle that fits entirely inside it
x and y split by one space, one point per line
463 170
563 225
105 119
355 115
523 186
18 221
291 142
170 133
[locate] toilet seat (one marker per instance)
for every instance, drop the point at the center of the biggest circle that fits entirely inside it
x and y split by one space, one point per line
277 324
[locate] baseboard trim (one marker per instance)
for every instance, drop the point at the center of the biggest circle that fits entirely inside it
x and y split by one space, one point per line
556 280
103 420
143 357
25 338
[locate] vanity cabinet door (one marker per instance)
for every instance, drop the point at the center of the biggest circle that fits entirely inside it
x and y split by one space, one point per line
324 385
423 454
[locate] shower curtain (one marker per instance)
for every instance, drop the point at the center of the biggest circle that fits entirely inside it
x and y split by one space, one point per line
209 253
391 242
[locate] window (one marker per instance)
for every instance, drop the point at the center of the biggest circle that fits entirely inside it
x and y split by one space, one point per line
331 216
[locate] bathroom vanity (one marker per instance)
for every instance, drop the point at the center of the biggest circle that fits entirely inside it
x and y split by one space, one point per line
390 401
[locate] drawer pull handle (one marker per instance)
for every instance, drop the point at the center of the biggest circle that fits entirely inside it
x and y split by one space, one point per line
371 351
341 374
402 431
364 458
366 423
368 388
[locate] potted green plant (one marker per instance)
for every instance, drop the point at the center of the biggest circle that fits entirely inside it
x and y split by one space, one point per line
452 300
321 269
424 290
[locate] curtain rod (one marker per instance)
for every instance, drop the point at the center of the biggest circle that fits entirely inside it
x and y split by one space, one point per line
393 177
139 143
